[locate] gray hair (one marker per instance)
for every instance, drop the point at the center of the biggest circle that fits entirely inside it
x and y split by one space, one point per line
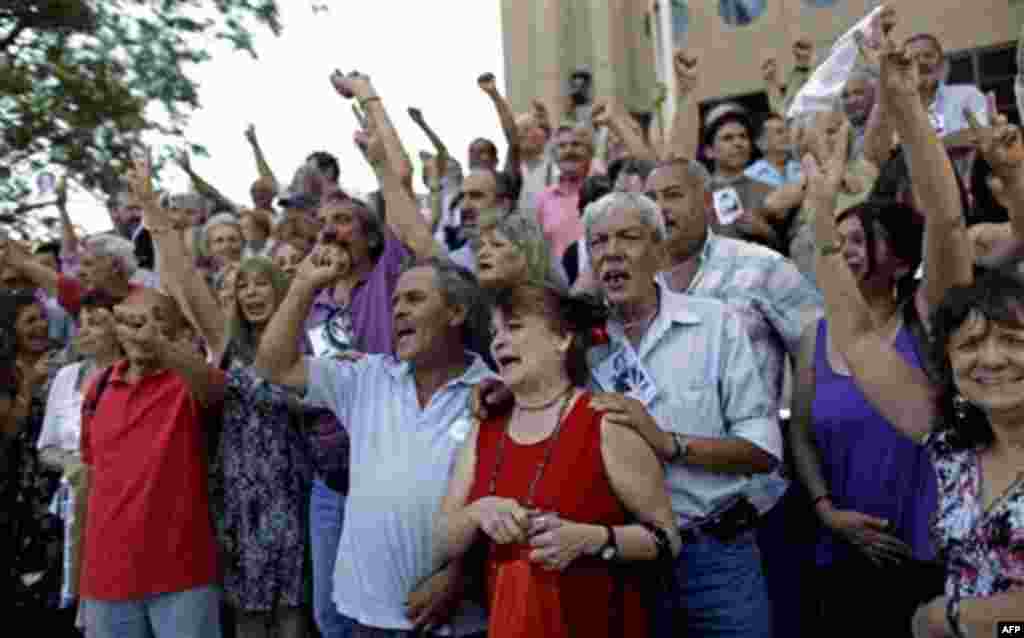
220 219
190 201
616 202
526 235
119 248
459 287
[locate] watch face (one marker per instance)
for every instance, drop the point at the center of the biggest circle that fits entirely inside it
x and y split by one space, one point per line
608 553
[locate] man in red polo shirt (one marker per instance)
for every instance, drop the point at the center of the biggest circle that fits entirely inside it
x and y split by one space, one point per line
150 566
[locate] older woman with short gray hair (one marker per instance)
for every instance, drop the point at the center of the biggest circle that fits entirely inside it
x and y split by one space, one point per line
510 250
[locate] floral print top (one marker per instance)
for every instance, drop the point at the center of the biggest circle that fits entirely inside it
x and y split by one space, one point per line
983 550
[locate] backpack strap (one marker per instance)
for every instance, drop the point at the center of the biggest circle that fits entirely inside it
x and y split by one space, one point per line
92 400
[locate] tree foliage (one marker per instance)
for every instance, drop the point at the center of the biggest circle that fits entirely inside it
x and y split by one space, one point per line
82 80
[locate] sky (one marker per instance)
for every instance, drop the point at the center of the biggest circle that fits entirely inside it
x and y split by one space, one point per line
426 55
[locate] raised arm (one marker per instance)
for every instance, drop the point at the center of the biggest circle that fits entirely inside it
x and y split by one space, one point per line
279 359
180 356
948 260
16 256
803 54
177 275
609 114
1003 149
683 138
203 187
358 86
900 392
506 117
439 147
261 161
68 236
403 216
774 88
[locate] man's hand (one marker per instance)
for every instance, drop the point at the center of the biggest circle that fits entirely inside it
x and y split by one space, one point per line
602 113
416 116
434 601
490 398
322 268
353 85
540 113
487 84
629 413
803 51
250 134
685 68
140 184
1000 144
770 72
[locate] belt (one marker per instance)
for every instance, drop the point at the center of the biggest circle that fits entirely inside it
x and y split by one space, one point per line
725 526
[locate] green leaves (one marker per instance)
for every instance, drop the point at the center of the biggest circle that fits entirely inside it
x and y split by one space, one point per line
79 78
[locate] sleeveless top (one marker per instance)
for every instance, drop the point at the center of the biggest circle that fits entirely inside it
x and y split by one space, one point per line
868 465
590 597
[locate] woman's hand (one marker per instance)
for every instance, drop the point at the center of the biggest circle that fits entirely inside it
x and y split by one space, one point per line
557 543
868 533
490 398
504 520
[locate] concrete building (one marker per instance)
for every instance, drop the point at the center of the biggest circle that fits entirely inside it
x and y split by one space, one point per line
628 43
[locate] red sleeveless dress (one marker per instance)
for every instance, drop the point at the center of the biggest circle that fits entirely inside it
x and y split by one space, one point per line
590 598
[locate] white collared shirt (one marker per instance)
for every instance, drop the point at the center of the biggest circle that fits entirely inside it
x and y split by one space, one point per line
401 460
707 383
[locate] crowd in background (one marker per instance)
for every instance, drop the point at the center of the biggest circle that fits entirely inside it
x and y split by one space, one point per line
757 374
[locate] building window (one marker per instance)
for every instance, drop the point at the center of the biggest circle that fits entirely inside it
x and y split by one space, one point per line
821 4
992 69
740 13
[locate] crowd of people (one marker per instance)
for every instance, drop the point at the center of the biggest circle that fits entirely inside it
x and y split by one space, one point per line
757 375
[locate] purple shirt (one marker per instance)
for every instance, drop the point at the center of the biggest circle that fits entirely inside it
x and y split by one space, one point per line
868 466
370 305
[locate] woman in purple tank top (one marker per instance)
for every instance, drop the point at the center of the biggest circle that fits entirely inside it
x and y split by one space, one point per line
873 489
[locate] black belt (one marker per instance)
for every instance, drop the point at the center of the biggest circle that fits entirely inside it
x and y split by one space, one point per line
726 526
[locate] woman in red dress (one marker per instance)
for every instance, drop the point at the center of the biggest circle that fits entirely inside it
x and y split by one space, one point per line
561 497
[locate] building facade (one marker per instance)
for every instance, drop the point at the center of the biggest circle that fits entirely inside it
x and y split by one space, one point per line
627 44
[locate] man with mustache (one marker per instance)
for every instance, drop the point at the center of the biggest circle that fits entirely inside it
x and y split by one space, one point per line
557 205
945 102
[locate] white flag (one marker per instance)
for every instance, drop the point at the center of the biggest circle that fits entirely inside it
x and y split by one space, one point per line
826 83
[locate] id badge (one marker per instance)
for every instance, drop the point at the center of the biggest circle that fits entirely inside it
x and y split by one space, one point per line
728 206
623 373
330 338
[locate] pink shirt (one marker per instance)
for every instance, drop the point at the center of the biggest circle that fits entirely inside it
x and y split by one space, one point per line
559 217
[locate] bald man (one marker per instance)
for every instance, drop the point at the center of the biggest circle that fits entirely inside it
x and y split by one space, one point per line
150 565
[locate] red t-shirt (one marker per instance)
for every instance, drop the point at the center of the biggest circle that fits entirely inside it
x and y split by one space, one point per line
148 528
70 292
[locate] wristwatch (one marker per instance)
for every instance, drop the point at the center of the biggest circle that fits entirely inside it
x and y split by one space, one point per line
682 447
610 550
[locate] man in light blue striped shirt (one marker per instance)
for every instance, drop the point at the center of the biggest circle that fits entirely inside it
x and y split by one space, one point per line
690 364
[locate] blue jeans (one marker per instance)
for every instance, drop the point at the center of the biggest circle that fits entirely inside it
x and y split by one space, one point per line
719 592
193 613
326 515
